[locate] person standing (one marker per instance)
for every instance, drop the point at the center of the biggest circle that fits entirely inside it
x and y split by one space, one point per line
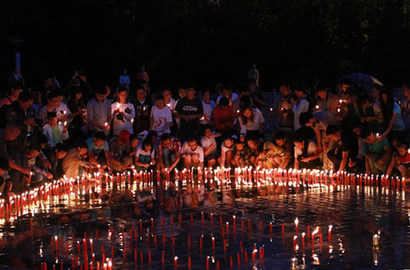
253 75
301 105
123 113
142 111
99 112
190 110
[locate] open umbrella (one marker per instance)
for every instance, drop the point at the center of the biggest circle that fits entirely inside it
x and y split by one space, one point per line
362 80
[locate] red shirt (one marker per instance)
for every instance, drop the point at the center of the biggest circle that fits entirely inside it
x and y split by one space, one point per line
224 118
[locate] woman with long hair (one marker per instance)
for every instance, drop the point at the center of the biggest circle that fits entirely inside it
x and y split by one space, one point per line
251 122
123 113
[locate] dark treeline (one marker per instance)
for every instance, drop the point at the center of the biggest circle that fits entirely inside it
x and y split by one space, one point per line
205 41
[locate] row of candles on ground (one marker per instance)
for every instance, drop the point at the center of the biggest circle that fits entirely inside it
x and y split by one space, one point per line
137 180
142 233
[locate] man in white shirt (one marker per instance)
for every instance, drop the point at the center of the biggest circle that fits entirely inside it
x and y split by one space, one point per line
193 154
161 117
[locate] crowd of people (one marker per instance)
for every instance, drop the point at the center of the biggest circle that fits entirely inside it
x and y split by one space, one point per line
64 129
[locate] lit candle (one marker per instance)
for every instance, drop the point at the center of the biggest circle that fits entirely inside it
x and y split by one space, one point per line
329 233
296 224
176 261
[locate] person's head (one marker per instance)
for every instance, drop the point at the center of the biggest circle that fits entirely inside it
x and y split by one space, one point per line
280 138
61 151
78 93
141 94
166 140
239 145
52 119
192 143
322 93
386 97
344 85
299 141
159 102
223 102
307 119
333 132
82 148
227 92
147 145
11 133
122 95
284 89
25 101
181 93
99 139
206 96
300 92
368 136
100 94
32 152
252 143
228 142
124 71
15 91
4 166
207 131
403 148
124 137
167 95
190 93
247 113
375 93
134 141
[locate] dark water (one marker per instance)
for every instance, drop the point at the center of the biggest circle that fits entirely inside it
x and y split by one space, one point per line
370 230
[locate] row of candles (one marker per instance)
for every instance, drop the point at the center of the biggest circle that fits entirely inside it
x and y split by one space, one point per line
30 201
142 242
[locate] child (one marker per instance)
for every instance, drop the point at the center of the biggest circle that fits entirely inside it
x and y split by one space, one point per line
145 155
161 117
306 153
54 131
252 152
123 113
168 153
208 143
378 152
74 161
208 107
98 149
227 147
400 161
239 154
193 154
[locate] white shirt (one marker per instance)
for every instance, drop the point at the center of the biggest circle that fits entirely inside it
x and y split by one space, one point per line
128 118
298 109
160 118
207 108
311 149
198 151
252 125
206 142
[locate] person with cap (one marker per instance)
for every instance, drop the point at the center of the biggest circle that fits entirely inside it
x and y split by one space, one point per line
120 150
56 132
99 112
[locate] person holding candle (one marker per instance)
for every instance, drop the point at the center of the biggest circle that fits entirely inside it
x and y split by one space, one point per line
4 175
145 155
283 109
74 160
377 152
400 160
30 162
306 153
142 107
208 106
99 112
251 122
299 106
209 145
123 113
345 148
120 151
239 153
161 117
56 157
98 150
326 106
56 132
227 147
276 154
168 153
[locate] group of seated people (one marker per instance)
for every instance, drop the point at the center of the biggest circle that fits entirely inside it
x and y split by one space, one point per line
62 131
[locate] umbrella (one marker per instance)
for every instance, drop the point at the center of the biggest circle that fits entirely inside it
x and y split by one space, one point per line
365 81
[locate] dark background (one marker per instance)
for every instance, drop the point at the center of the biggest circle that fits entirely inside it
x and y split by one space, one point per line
202 42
